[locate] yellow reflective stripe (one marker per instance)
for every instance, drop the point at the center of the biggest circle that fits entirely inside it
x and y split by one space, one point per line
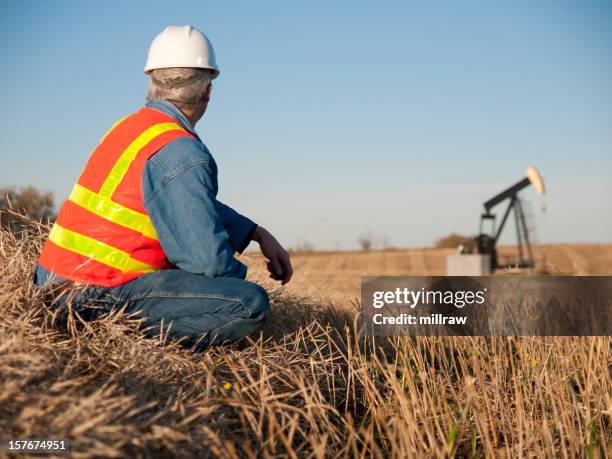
96 250
112 211
123 163
106 135
149 230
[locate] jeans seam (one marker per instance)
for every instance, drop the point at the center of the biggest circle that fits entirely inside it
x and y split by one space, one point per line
188 295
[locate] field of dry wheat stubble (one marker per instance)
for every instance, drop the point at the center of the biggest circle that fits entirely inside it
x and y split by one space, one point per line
305 387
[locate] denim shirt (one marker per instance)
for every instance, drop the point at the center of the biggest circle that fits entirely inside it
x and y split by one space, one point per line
198 233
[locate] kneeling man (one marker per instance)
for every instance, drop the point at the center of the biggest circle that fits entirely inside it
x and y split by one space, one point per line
143 227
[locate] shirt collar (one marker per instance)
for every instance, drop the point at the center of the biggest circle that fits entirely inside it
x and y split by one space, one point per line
171 110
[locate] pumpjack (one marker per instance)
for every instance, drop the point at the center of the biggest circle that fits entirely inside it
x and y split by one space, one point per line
485 243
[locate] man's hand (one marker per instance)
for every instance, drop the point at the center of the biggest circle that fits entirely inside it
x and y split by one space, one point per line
278 263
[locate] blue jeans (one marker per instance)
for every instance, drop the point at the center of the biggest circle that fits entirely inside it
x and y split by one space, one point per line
201 309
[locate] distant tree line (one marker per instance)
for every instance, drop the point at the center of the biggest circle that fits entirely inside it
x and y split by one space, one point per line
27 201
452 241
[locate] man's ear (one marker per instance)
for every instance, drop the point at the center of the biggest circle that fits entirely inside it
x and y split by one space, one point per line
208 92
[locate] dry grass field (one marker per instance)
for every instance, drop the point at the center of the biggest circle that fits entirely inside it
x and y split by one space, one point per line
336 276
307 386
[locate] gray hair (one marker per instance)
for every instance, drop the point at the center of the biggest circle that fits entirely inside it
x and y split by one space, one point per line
183 86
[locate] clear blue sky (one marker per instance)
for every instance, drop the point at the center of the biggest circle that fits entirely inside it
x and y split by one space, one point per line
333 118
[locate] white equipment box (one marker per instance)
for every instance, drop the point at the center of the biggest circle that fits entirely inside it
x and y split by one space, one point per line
468 265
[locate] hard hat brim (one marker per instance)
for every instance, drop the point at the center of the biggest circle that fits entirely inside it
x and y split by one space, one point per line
149 68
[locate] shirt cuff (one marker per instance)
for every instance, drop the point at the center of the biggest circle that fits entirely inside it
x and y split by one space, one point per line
247 239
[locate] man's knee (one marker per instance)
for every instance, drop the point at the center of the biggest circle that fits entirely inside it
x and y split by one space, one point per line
257 302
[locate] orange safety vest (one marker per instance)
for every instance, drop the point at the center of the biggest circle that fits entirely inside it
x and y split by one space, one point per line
103 234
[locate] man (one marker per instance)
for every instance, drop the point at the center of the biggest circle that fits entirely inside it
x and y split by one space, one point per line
143 227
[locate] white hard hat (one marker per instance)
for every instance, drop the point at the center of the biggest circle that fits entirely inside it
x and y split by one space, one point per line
182 46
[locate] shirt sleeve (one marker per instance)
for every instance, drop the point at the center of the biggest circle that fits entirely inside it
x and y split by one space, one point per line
239 228
190 229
